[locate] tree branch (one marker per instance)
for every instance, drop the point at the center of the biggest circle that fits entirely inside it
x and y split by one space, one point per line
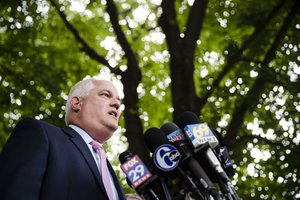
191 35
167 22
294 148
194 26
258 87
130 79
278 78
130 56
85 47
233 59
262 140
281 33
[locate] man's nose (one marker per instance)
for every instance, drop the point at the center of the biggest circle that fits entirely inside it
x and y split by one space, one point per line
116 103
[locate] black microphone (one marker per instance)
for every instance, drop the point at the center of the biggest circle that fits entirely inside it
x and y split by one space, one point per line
226 162
167 158
223 154
138 176
178 139
203 140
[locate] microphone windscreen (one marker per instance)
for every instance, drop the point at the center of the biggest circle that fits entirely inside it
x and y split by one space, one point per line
125 156
187 118
154 137
169 127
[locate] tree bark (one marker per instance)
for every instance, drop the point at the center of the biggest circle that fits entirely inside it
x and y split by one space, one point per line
182 51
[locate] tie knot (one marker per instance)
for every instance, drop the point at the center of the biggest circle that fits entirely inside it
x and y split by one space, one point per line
96 145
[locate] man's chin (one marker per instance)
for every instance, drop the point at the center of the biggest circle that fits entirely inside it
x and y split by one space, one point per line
113 128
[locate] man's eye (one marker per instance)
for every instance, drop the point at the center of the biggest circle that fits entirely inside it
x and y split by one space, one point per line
105 94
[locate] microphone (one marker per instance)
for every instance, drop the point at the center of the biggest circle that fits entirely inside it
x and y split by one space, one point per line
138 175
203 139
223 154
178 139
226 162
167 158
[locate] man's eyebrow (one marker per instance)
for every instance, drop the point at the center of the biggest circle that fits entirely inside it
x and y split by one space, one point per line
110 92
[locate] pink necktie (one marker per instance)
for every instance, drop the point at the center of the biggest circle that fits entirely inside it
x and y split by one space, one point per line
104 169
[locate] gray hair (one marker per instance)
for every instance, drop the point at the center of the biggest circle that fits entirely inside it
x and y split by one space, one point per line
80 89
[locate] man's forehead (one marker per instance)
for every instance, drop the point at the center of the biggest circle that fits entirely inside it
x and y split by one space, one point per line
102 86
102 82
112 84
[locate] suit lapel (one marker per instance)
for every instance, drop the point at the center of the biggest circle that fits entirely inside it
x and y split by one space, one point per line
84 150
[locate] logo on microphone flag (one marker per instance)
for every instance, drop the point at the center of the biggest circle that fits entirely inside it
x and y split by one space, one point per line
199 134
136 171
166 157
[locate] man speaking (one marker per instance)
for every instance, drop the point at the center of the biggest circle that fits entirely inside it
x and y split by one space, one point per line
43 162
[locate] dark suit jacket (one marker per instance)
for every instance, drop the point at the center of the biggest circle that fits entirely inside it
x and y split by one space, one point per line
44 162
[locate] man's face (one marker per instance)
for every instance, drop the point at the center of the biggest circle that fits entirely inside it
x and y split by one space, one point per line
99 111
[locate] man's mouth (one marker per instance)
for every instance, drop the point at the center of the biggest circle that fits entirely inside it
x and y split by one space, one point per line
113 113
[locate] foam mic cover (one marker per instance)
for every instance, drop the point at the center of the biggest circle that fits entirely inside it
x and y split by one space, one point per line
173 133
125 156
169 127
154 137
187 118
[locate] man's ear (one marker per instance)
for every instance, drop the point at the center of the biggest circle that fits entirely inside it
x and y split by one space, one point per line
76 103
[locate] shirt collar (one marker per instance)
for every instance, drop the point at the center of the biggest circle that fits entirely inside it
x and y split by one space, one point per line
85 136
